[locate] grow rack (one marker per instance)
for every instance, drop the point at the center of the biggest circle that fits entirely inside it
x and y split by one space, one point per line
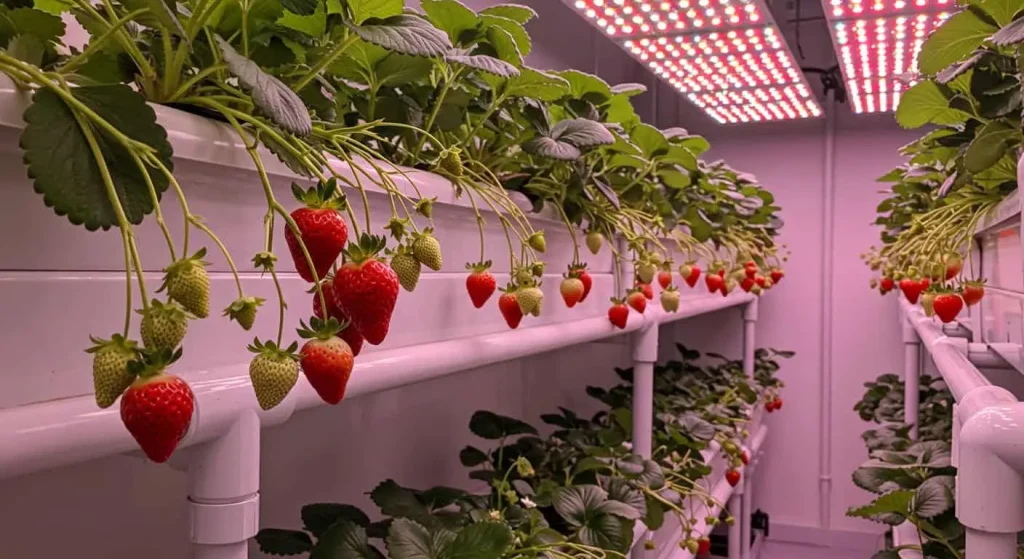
224 462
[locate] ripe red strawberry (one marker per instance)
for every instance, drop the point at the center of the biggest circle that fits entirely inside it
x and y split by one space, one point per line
320 226
733 477
366 289
778 403
571 290
777 275
953 265
480 283
509 307
351 334
703 547
727 287
326 359
157 408
750 269
973 292
664 279
714 282
745 458
747 284
911 289
761 281
618 313
637 300
947 306
588 283
886 285
647 290
769 406
690 273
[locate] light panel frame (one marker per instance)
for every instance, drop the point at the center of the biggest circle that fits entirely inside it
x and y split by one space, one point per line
727 57
877 43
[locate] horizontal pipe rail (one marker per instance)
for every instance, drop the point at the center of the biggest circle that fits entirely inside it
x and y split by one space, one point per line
949 354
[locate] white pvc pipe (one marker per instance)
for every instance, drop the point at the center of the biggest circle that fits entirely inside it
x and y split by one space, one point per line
986 545
825 398
749 342
645 354
949 354
735 530
748 509
911 378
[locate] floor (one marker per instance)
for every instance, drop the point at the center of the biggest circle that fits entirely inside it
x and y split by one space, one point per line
776 550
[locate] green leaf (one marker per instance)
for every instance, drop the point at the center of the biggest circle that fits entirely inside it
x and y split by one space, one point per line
318 517
345 540
504 45
587 86
167 15
302 7
54 7
924 104
536 85
649 139
619 509
26 21
406 34
410 540
1010 35
62 166
483 540
988 147
514 28
894 502
395 500
491 426
578 504
933 497
1001 10
515 12
27 48
629 89
485 63
655 516
567 137
472 457
953 41
450 16
363 10
281 104
401 69
314 24
275 541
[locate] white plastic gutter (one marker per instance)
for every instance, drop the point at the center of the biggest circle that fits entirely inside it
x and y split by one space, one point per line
827 246
988 445
755 450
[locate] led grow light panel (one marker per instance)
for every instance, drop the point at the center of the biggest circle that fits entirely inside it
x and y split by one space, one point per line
726 56
630 18
878 42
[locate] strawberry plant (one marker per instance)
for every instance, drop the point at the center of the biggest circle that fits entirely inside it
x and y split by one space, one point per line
353 96
958 172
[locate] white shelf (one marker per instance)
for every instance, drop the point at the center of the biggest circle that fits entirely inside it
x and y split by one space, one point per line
1006 214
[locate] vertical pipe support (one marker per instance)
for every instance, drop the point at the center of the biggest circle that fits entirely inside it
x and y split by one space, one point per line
911 375
749 343
645 354
747 506
825 398
735 531
223 491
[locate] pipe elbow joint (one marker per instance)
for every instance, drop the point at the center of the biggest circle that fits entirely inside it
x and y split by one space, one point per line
990 461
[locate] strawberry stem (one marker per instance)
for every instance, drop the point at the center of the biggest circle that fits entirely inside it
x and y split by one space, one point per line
227 256
157 212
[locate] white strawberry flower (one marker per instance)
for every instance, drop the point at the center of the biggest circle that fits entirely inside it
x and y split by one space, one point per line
526 502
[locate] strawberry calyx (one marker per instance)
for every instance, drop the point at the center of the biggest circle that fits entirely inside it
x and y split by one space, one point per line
243 307
479 267
324 195
116 341
366 249
151 363
321 329
270 348
265 260
170 310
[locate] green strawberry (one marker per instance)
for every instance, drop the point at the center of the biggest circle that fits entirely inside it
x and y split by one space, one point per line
243 310
273 371
110 374
537 241
427 250
186 282
450 161
407 268
645 271
594 241
530 299
163 325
